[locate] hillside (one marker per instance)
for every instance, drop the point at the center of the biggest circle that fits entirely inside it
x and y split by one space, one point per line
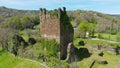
76 15
103 22
17 62
115 15
106 21
9 12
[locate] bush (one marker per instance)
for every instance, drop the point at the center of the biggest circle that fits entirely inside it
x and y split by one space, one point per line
51 47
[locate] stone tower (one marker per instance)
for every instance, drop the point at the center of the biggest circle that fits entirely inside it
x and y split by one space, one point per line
55 24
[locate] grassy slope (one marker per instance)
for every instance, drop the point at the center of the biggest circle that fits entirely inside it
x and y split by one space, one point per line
112 59
9 61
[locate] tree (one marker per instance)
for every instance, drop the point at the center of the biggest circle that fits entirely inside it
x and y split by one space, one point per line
92 20
83 27
29 21
26 22
13 22
17 42
5 35
91 29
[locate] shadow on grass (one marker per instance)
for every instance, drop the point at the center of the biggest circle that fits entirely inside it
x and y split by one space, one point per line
82 53
2 51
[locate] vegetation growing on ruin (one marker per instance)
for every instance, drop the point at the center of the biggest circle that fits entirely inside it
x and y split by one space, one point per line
53 13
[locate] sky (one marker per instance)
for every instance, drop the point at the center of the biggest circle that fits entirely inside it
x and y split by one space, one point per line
104 6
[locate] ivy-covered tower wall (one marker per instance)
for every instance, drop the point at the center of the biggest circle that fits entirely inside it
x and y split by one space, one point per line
55 24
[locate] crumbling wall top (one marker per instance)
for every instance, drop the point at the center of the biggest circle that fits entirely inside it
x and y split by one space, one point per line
52 12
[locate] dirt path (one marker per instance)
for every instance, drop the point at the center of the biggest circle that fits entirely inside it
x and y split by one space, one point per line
104 40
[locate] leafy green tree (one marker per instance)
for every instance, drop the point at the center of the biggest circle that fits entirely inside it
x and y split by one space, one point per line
13 22
5 35
92 20
91 29
21 23
29 21
26 22
35 19
83 27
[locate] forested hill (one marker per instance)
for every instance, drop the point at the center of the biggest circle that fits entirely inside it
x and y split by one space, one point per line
101 21
91 16
115 15
9 12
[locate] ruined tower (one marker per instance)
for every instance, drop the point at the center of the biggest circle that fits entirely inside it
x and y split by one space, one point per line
55 24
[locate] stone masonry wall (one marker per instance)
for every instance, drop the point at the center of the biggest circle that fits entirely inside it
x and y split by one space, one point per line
49 26
56 25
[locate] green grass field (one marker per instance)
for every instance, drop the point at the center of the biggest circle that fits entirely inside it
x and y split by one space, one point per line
107 36
9 61
95 42
112 60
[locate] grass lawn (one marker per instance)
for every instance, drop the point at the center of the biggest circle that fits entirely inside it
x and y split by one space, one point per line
9 61
112 59
112 62
107 36
94 42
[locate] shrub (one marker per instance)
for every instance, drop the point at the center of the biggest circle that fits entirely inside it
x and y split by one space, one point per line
51 47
